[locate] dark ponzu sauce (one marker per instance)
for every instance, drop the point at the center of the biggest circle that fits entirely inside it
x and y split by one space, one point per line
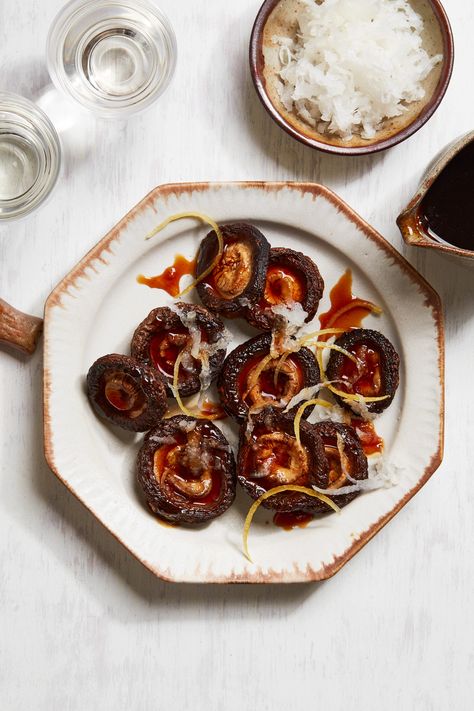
347 311
282 286
270 388
445 211
279 456
166 459
334 460
169 280
166 346
214 494
371 442
123 392
274 459
288 520
362 377
213 409
118 397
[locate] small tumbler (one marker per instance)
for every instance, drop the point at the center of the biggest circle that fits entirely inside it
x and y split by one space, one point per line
114 58
30 156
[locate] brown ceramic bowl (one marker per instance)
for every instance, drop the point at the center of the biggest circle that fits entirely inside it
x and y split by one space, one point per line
279 18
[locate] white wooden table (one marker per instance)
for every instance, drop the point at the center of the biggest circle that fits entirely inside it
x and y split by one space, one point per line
83 625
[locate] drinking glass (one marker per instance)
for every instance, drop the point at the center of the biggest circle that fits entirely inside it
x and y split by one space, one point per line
30 156
114 58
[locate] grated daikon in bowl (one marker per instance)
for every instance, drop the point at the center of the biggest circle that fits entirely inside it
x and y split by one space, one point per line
352 64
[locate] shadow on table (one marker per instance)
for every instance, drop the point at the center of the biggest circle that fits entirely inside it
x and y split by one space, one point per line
81 132
104 567
14 353
453 279
301 162
74 125
21 77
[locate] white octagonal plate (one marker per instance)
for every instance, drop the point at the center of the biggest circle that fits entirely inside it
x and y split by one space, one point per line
96 308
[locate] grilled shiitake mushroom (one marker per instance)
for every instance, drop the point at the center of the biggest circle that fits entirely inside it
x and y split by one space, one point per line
270 456
341 442
127 393
239 277
242 388
292 278
165 332
187 470
376 373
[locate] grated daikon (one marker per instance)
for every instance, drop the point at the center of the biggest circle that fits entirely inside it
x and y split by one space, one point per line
353 64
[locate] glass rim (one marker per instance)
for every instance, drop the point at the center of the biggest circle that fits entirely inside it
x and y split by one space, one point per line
34 127
96 103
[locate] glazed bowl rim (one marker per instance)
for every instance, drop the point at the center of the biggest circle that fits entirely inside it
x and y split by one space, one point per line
257 72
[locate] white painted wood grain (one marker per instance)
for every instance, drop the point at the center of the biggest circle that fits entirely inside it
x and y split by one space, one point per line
83 626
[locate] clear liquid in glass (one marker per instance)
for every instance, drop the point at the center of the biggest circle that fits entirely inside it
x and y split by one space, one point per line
30 156
112 57
19 166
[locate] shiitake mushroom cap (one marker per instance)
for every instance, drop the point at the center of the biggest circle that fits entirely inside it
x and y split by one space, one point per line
389 366
267 446
126 392
356 461
192 456
239 278
162 320
232 379
301 283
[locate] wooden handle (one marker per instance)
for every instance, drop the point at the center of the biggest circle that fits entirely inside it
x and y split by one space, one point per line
18 329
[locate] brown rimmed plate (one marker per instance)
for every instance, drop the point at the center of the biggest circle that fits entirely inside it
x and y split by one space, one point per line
95 309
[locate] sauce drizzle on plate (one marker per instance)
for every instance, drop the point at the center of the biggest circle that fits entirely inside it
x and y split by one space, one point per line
212 409
288 520
371 442
169 279
347 311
